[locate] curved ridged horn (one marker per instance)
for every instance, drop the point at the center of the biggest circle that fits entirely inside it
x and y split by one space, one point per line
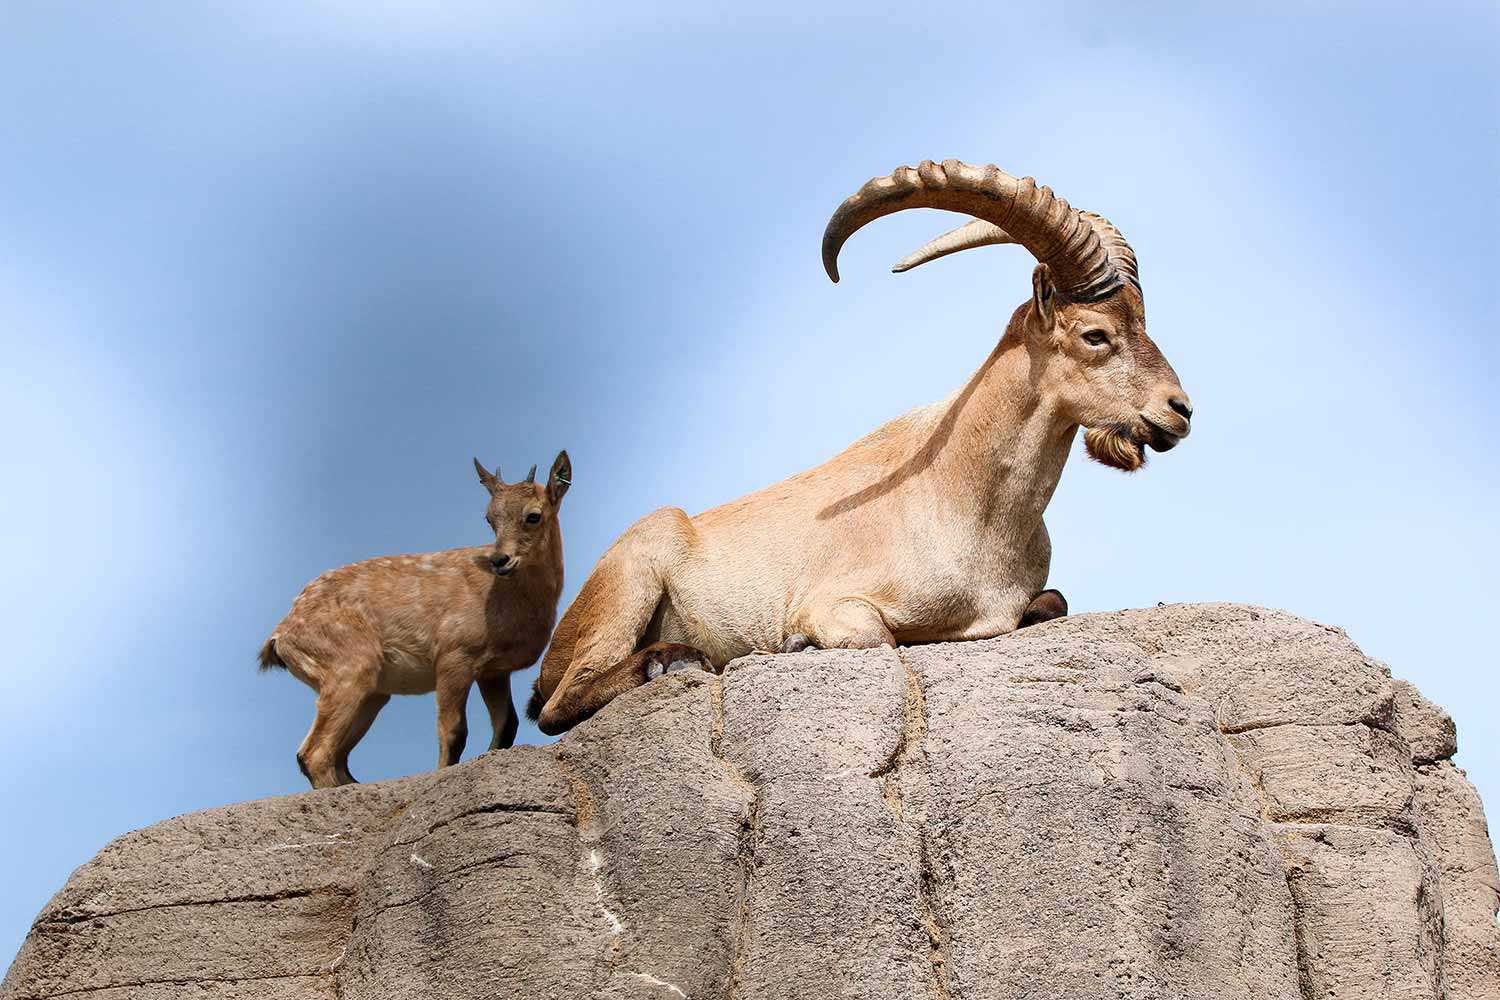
1119 251
531 476
966 237
1056 233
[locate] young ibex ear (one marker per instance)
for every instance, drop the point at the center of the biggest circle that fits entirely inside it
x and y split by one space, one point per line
560 478
488 481
1044 297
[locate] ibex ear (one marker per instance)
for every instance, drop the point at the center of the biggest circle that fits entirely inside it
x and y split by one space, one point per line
1044 297
560 478
488 481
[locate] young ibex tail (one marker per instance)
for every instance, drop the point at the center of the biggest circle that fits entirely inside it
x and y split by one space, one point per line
269 658
931 527
417 623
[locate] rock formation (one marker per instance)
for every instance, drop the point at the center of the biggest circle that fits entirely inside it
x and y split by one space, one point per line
1189 801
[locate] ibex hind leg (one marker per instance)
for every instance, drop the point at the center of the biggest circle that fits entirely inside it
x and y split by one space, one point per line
1044 607
342 713
362 723
322 756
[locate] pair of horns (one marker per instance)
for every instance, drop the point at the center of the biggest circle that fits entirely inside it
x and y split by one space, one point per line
1088 257
486 476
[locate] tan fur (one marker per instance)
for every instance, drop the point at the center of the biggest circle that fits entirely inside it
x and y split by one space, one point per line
438 621
928 529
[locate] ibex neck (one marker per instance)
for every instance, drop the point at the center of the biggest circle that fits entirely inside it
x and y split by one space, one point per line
1009 443
539 581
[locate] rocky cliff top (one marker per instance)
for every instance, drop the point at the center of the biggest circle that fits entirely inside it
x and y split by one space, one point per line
1185 801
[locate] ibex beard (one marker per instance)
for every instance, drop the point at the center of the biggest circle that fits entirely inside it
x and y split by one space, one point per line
931 527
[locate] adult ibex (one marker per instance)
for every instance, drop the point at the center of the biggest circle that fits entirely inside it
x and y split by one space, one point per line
412 624
928 529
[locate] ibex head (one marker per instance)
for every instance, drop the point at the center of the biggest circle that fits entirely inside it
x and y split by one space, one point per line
1085 326
523 515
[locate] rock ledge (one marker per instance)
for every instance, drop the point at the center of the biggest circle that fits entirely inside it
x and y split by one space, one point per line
1187 801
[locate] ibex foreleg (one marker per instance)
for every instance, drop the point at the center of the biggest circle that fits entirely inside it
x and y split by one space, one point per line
670 657
594 656
453 683
503 721
849 623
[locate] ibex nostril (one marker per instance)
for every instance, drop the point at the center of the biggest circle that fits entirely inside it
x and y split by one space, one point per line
499 561
1181 407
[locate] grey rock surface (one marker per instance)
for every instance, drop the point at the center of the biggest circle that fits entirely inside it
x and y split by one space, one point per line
1186 801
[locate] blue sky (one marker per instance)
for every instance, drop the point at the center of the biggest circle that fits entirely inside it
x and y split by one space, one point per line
271 273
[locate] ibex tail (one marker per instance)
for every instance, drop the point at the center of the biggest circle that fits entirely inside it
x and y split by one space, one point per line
269 658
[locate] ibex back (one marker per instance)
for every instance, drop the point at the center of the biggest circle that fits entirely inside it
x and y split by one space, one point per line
928 529
417 623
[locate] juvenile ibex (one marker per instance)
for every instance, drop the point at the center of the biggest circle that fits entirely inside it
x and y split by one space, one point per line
412 624
928 529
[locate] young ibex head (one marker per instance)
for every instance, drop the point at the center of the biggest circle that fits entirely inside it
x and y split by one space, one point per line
1085 326
523 515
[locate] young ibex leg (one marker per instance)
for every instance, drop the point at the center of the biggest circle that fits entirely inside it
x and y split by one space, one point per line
1044 607
341 704
366 718
503 721
452 722
852 623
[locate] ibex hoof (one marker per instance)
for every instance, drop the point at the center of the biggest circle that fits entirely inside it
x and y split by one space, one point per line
670 657
797 643
1046 606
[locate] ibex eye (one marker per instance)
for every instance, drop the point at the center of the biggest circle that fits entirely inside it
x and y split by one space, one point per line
533 518
1096 338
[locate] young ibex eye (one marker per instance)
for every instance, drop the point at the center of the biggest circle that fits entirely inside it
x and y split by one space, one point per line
534 517
1096 338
